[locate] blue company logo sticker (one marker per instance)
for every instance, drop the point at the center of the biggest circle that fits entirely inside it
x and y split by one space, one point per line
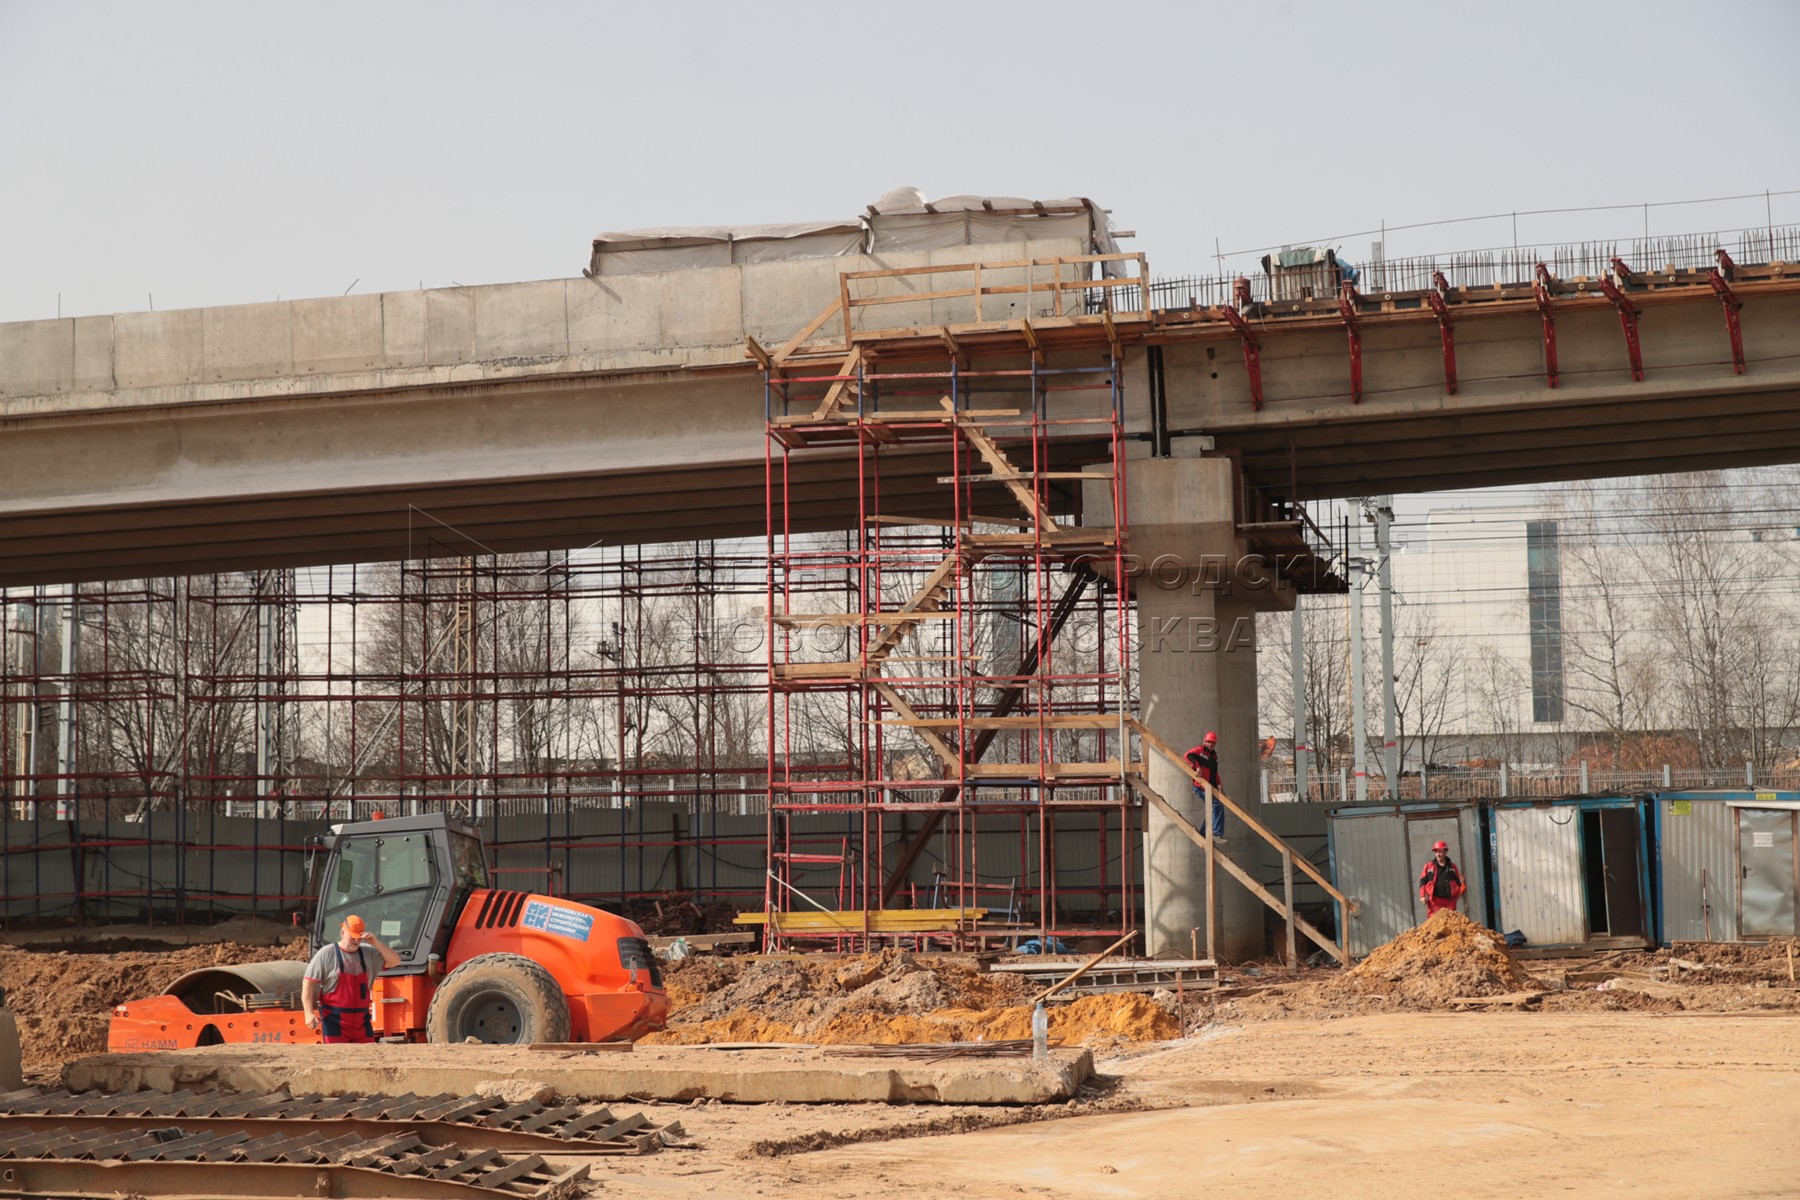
563 922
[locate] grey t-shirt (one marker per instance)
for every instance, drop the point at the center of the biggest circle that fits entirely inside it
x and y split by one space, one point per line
323 969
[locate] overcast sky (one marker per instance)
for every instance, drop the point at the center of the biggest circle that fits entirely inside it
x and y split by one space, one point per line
222 153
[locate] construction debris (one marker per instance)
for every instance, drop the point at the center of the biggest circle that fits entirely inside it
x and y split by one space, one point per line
1447 958
1123 975
892 997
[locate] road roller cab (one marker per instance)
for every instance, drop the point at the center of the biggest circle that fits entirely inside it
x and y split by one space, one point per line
475 962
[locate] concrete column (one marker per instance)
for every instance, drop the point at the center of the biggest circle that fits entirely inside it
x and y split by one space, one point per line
1196 671
1178 694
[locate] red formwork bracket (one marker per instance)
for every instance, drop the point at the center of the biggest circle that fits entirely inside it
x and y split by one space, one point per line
1435 298
1347 310
1252 354
1719 277
1541 286
1628 315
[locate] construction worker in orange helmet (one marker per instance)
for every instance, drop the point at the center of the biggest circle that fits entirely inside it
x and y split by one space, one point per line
1204 760
1441 882
335 991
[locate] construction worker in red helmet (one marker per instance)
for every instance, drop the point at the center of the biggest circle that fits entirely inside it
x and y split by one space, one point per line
1204 760
1441 882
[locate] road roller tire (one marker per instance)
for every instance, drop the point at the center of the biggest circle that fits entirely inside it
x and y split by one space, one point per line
500 999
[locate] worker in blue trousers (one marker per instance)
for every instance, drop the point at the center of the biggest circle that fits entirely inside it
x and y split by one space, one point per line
1204 760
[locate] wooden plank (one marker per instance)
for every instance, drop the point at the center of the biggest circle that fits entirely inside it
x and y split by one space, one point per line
1002 477
586 1047
951 759
834 395
853 620
927 594
1256 827
1111 768
1004 471
1052 721
1242 876
1083 969
880 920
955 350
1031 339
758 353
941 524
812 327
817 670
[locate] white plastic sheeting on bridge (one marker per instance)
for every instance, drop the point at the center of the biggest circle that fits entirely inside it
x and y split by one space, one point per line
901 220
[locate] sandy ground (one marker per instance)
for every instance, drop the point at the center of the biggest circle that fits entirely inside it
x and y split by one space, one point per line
1666 1074
1483 1104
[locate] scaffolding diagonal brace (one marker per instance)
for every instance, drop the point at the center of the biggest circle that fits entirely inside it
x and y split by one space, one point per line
1628 317
1732 305
1445 330
1541 289
1347 310
1252 354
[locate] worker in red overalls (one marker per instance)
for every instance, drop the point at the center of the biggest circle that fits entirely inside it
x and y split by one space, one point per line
1441 882
335 991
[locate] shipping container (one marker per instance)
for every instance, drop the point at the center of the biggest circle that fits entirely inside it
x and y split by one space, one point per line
1377 852
1572 873
1726 867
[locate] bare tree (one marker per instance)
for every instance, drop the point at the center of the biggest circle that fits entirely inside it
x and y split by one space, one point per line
1616 675
1428 695
1733 686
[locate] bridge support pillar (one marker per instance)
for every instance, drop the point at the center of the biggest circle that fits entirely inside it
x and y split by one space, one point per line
1197 598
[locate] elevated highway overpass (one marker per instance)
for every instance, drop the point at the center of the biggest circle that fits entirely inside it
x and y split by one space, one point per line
565 412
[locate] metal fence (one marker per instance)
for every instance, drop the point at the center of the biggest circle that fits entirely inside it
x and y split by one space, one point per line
1336 787
1494 267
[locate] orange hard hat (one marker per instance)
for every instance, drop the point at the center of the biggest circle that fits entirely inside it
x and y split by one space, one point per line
1210 737
353 924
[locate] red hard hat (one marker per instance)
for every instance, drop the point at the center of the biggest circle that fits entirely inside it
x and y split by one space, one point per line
1210 737
1440 845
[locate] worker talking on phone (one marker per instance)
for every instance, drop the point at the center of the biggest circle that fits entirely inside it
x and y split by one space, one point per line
335 992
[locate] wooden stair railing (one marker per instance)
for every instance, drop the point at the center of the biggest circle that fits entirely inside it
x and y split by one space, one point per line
1283 905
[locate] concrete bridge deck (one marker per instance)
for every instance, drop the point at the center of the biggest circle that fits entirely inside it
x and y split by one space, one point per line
564 412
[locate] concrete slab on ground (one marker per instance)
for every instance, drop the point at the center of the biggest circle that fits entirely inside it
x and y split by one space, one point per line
664 1073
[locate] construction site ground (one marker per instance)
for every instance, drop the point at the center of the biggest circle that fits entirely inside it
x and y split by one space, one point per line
1439 1062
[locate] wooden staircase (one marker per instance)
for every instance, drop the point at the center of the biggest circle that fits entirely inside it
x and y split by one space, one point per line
1282 905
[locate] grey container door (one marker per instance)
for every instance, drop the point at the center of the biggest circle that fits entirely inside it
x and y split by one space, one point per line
1766 883
1422 833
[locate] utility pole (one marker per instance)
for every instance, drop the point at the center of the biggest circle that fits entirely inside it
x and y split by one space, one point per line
1357 750
65 726
462 695
1384 546
1297 653
265 680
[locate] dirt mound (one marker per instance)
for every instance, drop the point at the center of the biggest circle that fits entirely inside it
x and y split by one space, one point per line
1446 957
63 1000
890 997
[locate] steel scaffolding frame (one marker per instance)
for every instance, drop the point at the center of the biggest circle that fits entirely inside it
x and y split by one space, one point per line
951 730
607 679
